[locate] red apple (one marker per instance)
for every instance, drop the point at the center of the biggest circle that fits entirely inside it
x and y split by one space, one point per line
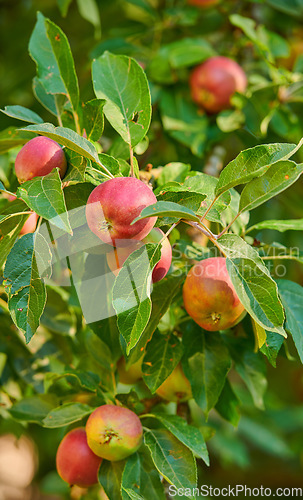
75 461
30 225
209 296
113 432
113 205
214 82
176 387
118 255
39 157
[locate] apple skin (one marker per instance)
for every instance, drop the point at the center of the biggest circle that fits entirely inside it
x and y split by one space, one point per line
75 461
209 296
133 374
113 432
176 387
39 157
30 225
118 255
113 205
214 82
203 3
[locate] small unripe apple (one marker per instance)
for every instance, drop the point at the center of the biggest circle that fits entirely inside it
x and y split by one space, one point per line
210 297
30 224
113 432
113 205
39 157
75 461
176 387
133 374
118 255
214 82
202 3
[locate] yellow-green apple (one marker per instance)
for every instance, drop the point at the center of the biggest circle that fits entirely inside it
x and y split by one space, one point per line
113 432
176 387
133 374
214 82
39 157
75 461
113 205
118 255
209 296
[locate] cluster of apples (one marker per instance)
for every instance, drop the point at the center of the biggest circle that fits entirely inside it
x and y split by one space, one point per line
112 433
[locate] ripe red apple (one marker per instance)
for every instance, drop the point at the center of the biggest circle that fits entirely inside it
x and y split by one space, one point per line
75 461
202 3
176 387
118 255
209 296
133 374
39 157
113 205
213 83
113 432
30 224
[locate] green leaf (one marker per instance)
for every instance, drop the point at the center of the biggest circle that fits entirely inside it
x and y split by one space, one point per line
121 81
228 404
76 167
272 346
173 460
50 49
163 353
180 196
67 137
98 350
252 163
89 11
206 366
66 414
251 367
206 184
292 295
254 286
278 177
93 119
167 209
63 6
27 294
22 113
188 435
131 293
162 295
110 477
183 121
141 480
45 196
12 137
33 409
54 103
278 225
10 226
173 172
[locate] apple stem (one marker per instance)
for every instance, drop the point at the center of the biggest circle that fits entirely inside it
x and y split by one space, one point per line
209 208
131 157
229 225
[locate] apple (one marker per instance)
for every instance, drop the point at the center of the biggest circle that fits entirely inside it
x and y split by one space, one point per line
133 374
75 461
30 224
39 157
118 255
214 82
114 204
209 296
203 3
176 387
113 432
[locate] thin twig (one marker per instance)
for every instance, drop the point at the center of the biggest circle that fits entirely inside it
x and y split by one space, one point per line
229 225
